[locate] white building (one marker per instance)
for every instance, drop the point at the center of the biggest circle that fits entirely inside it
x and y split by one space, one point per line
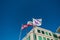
39 33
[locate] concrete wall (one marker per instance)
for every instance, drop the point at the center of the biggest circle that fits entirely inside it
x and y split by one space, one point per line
38 34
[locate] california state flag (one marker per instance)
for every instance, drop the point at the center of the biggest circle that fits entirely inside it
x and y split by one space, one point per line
37 22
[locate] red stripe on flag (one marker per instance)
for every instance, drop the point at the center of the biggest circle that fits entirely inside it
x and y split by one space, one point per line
29 24
24 26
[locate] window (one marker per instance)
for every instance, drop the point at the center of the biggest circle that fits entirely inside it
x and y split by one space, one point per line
48 39
39 38
59 37
46 33
44 38
50 34
55 35
42 32
51 39
28 38
38 31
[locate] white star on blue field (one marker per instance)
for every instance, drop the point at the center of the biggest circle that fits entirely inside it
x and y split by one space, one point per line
14 13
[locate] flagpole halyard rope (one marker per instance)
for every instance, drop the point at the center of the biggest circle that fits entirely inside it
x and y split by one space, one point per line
20 33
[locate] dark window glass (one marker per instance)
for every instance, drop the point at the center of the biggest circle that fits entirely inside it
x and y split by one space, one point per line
51 39
50 34
48 39
59 37
42 32
38 31
55 35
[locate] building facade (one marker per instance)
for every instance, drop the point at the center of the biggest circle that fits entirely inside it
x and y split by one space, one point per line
38 33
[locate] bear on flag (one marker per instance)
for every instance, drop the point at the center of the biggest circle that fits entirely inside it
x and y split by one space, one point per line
37 22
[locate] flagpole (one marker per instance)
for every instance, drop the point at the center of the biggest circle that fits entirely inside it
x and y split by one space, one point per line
26 31
20 33
26 34
33 29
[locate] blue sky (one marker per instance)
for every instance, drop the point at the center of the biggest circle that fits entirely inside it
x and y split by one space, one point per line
14 13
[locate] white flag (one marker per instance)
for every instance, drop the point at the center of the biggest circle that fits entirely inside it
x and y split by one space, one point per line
37 22
29 23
